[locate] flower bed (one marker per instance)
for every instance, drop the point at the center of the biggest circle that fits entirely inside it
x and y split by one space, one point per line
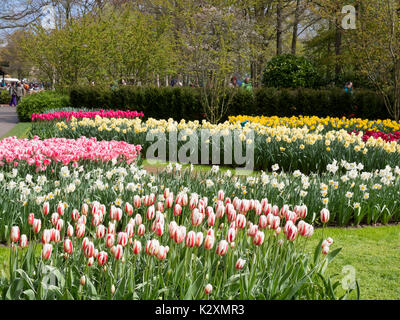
85 114
293 148
42 153
124 234
328 123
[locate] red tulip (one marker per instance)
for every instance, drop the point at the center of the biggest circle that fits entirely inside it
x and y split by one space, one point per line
241 221
199 239
137 201
14 234
141 230
209 242
31 217
208 289
231 235
137 247
46 236
118 252
150 213
222 248
68 248
46 208
190 239
100 231
46 251
23 241
240 264
110 240
102 258
324 215
259 238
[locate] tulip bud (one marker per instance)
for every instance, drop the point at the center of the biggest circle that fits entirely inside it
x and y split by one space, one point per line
190 239
110 240
199 239
137 247
31 217
240 264
46 251
14 234
83 280
141 230
222 248
85 209
46 208
70 231
208 289
23 242
324 215
68 248
37 224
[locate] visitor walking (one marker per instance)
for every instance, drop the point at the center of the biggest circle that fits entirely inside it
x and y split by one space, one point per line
20 92
246 84
348 88
233 83
13 94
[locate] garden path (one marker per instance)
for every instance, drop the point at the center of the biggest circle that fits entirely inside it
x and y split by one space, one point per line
8 119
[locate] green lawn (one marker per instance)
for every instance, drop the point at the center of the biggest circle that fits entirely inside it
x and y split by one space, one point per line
20 130
374 252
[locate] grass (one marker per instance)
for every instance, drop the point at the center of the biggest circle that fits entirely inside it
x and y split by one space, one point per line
20 130
374 253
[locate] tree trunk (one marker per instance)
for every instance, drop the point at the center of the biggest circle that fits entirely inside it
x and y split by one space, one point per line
279 44
338 51
295 27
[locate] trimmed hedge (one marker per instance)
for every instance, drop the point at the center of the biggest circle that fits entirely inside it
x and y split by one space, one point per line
185 103
39 103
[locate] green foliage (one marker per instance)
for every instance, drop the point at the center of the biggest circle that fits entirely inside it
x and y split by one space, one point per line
4 97
289 71
39 102
185 103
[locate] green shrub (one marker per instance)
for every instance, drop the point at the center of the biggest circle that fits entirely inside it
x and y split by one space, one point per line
40 102
184 103
4 97
289 71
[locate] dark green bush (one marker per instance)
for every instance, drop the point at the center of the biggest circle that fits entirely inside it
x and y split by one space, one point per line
290 71
185 103
40 102
4 97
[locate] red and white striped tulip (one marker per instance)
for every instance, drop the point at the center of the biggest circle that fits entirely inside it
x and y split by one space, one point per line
110 240
31 217
263 222
241 221
23 241
137 201
85 209
222 248
324 215
230 237
291 233
14 234
68 247
141 230
199 239
150 213
122 239
211 219
221 195
60 209
102 258
137 247
118 252
80 230
190 239
208 289
46 236
46 208
209 242
258 239
240 264
70 231
46 251
100 231
75 215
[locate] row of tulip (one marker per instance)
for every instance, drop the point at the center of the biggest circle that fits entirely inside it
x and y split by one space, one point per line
293 148
353 197
42 153
388 137
168 246
67 115
329 123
